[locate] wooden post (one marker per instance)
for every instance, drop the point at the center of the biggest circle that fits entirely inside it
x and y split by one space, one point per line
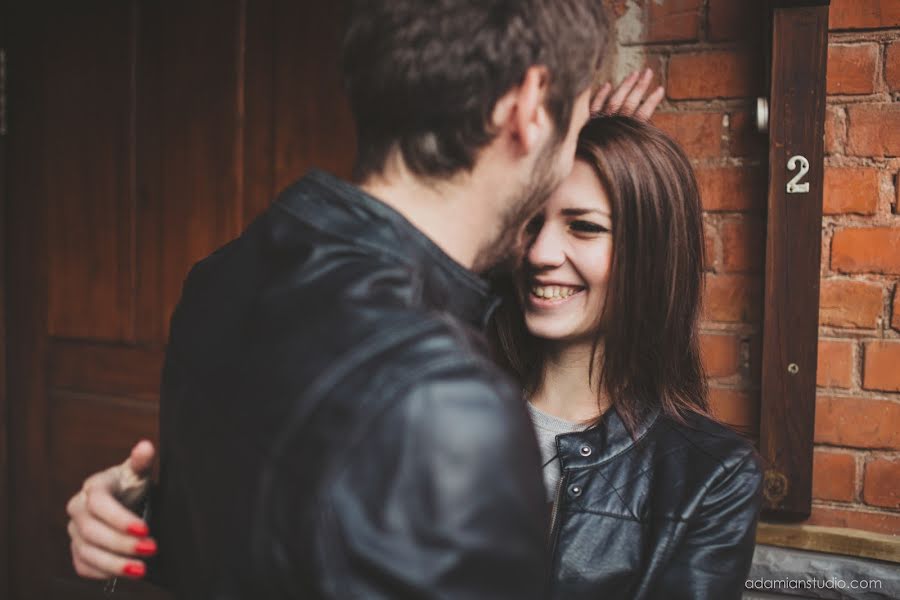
793 254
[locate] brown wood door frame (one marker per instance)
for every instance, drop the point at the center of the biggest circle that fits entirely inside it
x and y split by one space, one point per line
26 309
4 447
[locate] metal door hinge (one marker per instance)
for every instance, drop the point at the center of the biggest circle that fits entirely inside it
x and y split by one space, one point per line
3 123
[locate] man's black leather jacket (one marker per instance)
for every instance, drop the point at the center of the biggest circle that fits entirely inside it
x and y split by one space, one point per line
669 513
331 425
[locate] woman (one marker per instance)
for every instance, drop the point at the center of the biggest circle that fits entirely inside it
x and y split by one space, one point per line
650 497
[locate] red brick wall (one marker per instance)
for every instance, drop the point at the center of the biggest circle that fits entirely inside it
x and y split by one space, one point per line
710 57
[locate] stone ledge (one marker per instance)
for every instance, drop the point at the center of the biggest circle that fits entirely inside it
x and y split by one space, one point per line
831 540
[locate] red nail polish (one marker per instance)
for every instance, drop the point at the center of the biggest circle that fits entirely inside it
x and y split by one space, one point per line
135 570
145 548
138 529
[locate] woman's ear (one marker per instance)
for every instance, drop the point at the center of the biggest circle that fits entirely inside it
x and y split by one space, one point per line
521 111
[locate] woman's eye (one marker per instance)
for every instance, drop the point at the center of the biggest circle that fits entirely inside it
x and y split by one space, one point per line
587 227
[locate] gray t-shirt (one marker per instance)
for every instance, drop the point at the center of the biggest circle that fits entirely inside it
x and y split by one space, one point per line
547 428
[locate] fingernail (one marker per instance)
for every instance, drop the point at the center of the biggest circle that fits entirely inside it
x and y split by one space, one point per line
139 529
145 548
135 570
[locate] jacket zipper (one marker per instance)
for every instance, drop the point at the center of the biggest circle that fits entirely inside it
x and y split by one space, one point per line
555 511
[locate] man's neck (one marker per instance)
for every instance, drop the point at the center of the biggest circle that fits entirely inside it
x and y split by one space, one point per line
454 213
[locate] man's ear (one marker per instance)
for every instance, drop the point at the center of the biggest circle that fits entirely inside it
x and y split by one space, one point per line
521 112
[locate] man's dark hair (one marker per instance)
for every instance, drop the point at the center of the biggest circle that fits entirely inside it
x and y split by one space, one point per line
423 76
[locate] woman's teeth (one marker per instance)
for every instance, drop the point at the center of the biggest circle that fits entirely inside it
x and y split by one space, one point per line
553 292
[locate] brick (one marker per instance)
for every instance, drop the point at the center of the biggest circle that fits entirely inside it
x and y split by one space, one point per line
710 235
732 188
851 69
851 190
895 321
744 245
864 14
699 133
835 365
866 250
858 422
743 137
835 132
713 74
721 357
881 368
845 303
881 484
673 20
834 476
737 408
874 130
730 20
848 518
892 67
732 298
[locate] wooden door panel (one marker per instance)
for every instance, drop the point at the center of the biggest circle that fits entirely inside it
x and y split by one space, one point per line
104 369
313 125
200 121
191 126
151 323
89 150
259 102
147 133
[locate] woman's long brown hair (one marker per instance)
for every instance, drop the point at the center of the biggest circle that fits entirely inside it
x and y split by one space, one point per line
650 337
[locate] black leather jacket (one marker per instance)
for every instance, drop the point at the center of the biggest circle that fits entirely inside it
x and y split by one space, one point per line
669 513
331 426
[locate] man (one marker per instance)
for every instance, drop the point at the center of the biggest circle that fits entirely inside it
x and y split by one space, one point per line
330 423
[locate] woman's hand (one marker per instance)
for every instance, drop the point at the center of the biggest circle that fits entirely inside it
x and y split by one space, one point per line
106 535
628 99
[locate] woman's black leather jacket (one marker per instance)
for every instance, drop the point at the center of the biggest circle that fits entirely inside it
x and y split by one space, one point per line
669 513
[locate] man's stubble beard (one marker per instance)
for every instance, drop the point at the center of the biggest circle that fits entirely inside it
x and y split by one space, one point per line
528 201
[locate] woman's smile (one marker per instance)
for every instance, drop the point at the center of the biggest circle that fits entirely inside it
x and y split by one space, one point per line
552 295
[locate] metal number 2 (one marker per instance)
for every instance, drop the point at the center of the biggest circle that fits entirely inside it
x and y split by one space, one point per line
793 186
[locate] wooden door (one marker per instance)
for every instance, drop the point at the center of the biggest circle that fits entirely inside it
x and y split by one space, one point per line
143 134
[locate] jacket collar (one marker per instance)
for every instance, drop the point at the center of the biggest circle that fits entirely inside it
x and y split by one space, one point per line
602 442
342 209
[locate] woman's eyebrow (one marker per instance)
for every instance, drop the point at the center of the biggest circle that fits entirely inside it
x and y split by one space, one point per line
577 212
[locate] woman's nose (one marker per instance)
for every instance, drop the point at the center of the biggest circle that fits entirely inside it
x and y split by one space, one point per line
546 248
